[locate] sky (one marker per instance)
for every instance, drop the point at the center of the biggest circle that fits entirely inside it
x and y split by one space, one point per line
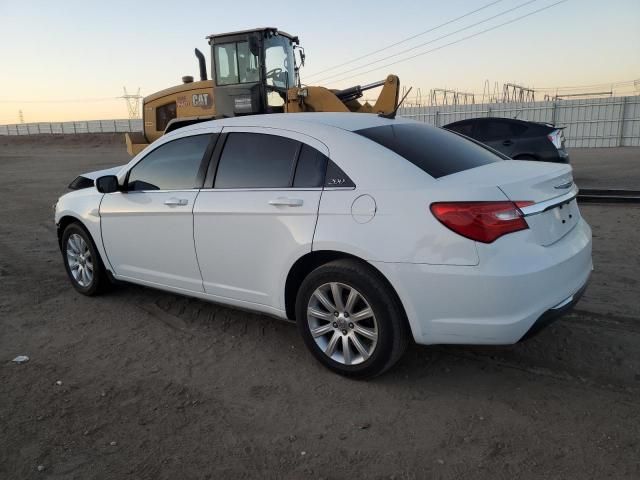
70 60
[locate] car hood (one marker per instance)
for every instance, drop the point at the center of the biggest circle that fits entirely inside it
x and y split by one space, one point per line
102 173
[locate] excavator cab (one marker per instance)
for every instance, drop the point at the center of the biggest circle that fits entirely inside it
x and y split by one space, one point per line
252 71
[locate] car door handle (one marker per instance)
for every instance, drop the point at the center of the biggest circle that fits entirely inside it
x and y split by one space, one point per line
507 143
174 202
286 202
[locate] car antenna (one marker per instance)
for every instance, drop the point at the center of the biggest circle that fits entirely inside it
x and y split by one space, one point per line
392 115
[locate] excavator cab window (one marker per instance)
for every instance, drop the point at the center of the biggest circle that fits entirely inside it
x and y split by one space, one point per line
235 64
280 70
279 62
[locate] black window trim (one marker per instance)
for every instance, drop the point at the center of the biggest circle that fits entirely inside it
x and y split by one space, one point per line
212 170
204 162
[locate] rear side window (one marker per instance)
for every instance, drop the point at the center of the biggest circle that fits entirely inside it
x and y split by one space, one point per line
173 166
256 160
434 150
311 168
499 130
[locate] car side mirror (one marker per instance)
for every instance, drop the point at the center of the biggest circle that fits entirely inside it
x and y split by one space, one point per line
107 184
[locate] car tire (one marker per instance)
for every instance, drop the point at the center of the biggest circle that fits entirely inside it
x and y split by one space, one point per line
373 343
82 261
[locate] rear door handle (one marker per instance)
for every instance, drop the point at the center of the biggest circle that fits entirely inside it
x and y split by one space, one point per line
174 202
286 202
507 143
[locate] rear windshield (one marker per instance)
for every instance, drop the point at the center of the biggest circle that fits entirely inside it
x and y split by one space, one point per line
434 150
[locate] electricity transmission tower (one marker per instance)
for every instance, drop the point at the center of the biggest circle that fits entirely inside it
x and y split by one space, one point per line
517 93
21 116
442 96
133 103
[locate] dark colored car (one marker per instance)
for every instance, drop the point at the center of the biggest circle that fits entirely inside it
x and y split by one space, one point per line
517 139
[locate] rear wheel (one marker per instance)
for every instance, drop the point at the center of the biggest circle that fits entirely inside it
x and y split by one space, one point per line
350 319
82 262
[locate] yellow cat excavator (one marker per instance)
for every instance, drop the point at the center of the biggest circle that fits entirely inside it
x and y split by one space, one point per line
253 71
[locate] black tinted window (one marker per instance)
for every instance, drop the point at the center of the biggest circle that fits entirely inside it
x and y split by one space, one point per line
436 151
336 177
255 160
465 128
172 166
310 169
499 130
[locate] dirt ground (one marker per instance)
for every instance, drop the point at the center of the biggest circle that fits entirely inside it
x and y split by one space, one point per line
158 386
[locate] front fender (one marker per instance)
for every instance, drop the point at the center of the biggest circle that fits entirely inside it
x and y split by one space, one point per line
83 206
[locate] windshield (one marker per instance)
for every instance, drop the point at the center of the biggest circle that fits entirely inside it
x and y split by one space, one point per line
279 62
235 64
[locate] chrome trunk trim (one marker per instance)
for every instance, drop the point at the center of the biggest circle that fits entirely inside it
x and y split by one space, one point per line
551 203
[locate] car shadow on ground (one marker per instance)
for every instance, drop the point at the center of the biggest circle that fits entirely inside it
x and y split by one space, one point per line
564 351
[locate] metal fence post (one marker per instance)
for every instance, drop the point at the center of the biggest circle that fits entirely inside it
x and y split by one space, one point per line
437 118
621 122
554 112
74 127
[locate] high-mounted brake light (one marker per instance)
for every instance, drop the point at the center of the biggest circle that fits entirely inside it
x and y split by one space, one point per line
481 221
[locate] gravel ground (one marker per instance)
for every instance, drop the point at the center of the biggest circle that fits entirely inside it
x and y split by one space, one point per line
143 384
606 167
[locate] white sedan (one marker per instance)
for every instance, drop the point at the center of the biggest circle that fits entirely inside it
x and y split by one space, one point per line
367 231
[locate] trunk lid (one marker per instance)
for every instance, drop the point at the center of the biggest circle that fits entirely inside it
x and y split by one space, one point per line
550 187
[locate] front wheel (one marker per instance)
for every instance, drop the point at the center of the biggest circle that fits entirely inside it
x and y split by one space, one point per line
82 262
350 319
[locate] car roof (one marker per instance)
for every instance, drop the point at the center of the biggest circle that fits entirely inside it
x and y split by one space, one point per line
304 121
488 119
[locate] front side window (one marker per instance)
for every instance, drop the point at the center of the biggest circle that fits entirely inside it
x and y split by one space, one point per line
172 166
235 64
256 160
434 150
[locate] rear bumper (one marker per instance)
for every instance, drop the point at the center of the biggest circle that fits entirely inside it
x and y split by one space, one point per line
499 301
554 313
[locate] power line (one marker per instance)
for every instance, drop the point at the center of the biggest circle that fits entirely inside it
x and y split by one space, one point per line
431 41
455 41
434 40
406 39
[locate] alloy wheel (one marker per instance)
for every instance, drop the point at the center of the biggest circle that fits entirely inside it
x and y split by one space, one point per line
79 260
342 323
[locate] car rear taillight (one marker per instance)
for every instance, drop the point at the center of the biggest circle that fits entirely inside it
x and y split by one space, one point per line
557 138
481 221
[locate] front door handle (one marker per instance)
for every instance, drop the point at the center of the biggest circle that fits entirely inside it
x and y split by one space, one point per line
507 143
175 202
286 202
